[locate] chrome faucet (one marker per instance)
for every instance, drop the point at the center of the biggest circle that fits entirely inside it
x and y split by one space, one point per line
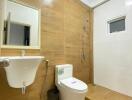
23 52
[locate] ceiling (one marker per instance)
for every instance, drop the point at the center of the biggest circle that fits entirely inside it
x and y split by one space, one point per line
93 3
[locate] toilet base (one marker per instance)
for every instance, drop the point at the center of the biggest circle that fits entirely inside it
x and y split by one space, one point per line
66 94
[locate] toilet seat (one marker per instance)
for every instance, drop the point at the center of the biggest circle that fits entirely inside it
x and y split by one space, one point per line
74 84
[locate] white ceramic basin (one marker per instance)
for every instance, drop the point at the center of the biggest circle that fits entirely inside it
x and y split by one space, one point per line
22 70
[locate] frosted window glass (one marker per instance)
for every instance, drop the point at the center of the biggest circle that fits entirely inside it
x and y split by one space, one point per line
117 26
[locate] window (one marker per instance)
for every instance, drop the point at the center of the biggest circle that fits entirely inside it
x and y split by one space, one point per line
117 25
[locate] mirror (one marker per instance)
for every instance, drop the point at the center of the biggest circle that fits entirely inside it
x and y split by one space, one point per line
21 26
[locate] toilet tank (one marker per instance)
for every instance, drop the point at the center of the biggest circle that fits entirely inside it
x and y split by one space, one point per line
63 72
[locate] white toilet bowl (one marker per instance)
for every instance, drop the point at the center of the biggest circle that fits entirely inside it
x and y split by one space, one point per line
70 88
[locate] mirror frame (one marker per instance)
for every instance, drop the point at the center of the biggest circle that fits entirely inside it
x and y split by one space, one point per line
39 29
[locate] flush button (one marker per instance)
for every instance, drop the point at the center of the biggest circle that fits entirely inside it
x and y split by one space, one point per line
74 82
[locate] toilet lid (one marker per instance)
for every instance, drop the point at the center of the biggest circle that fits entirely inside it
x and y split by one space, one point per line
74 83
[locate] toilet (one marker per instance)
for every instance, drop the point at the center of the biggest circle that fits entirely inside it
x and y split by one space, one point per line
69 87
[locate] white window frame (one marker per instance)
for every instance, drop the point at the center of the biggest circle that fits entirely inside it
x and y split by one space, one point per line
113 20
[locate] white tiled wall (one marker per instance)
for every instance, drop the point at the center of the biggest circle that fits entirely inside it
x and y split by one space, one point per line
113 52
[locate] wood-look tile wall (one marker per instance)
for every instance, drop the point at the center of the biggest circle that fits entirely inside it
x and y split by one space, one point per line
77 38
65 38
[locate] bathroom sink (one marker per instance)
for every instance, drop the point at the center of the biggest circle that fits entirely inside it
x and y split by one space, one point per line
21 70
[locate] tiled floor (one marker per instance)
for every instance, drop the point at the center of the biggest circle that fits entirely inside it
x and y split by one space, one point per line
100 93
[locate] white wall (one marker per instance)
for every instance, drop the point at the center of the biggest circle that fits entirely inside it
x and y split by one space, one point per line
2 8
0 16
113 52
